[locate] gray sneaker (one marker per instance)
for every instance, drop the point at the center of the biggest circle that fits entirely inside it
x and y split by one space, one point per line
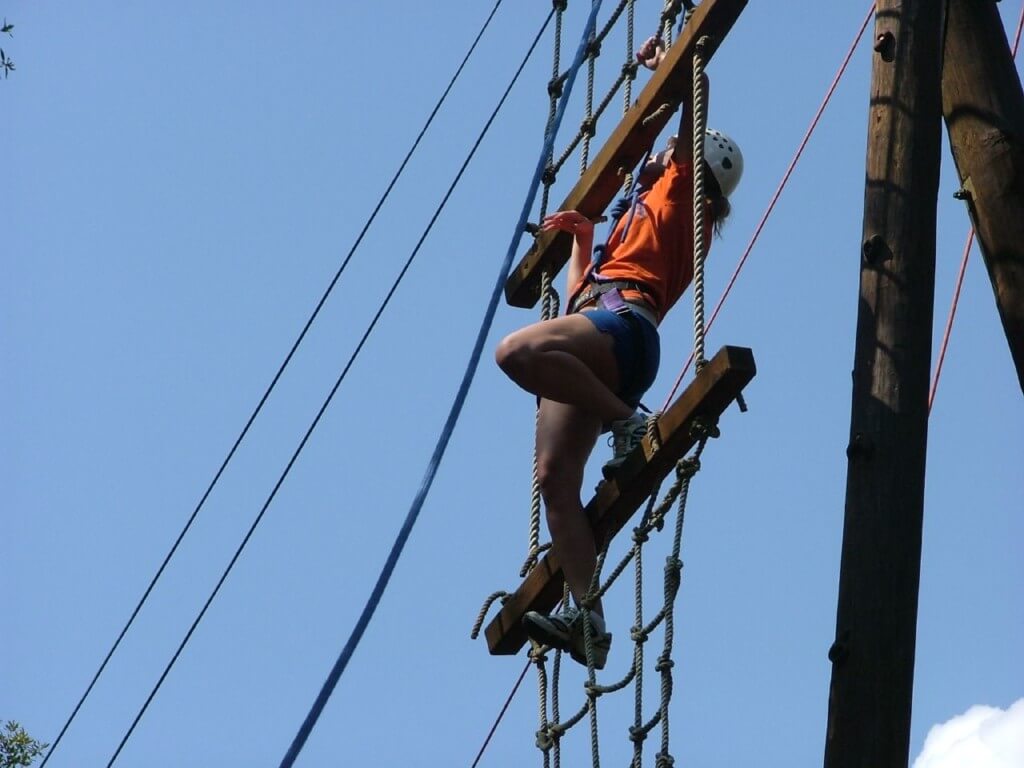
564 631
626 435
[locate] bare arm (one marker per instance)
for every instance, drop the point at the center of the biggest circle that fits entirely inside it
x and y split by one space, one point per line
683 151
582 230
651 54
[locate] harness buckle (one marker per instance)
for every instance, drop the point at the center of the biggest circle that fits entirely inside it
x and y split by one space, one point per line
594 289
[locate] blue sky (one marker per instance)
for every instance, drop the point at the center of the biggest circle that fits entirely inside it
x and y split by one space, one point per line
182 182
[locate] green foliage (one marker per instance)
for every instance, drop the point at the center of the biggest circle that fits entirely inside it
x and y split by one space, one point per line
17 748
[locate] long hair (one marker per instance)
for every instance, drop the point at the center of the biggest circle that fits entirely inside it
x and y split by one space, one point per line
718 204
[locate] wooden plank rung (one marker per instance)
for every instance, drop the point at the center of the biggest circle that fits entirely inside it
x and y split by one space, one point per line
635 134
717 385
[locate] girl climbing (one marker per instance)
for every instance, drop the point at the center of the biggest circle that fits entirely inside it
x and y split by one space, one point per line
591 366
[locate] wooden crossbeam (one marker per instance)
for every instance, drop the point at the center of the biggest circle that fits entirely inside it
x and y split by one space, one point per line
627 144
710 393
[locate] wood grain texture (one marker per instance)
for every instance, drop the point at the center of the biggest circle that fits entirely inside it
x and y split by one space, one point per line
873 654
983 106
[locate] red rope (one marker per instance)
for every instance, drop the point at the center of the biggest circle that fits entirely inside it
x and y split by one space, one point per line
778 193
1016 39
963 267
501 714
949 320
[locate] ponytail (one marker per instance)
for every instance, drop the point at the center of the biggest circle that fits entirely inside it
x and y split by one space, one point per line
718 206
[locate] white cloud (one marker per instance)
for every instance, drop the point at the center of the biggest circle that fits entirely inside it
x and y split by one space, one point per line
982 737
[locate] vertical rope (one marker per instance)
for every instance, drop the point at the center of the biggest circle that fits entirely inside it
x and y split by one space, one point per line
548 306
593 593
636 732
543 737
699 205
685 470
653 519
554 92
556 704
587 127
533 544
630 69
549 309
668 20
779 189
627 100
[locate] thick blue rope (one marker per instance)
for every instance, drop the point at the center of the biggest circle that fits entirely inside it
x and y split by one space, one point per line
449 427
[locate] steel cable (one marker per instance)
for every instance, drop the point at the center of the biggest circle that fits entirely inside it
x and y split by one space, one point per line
273 383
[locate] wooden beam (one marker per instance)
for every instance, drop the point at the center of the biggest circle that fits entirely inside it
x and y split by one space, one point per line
627 144
710 393
983 105
876 619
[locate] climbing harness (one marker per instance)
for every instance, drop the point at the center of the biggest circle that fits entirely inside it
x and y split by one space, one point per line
609 292
609 295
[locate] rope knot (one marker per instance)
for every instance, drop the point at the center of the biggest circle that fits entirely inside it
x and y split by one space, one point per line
637 735
638 635
560 5
629 69
664 664
555 88
687 468
662 760
658 521
537 653
673 575
593 690
589 126
702 428
545 741
668 16
550 174
640 535
593 48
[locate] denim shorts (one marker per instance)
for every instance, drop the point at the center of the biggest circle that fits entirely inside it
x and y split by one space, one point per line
637 350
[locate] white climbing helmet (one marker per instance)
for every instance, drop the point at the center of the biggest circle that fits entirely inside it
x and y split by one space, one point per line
724 159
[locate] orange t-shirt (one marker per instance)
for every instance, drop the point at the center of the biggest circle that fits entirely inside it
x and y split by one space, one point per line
658 249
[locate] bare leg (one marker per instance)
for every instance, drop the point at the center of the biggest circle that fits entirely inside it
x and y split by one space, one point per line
569 361
565 437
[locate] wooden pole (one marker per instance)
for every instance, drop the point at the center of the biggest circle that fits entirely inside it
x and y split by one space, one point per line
983 105
873 654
